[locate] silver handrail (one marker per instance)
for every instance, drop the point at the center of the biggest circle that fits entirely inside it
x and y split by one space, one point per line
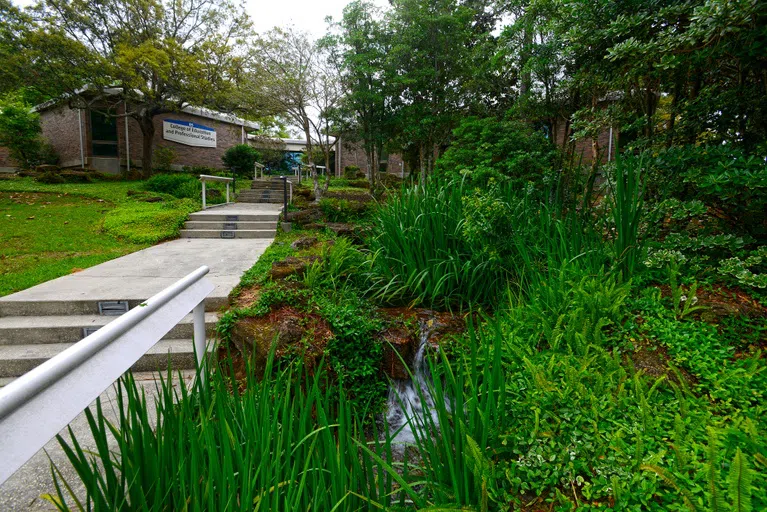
37 405
207 177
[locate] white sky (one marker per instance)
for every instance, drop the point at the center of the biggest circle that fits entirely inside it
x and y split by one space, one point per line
306 15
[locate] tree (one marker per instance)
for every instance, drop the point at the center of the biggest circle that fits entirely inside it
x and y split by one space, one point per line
241 159
359 50
430 64
284 81
296 78
20 131
139 58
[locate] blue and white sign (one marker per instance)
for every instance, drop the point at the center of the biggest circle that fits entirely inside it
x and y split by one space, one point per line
189 133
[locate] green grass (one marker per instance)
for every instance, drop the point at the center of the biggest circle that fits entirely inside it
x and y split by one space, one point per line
47 231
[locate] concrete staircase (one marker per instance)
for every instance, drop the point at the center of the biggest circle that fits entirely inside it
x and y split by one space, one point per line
33 332
209 224
269 190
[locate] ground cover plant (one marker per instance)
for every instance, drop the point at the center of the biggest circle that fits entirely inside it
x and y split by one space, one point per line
602 372
586 197
50 230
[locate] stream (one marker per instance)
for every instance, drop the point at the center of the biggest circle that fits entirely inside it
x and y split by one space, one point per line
404 401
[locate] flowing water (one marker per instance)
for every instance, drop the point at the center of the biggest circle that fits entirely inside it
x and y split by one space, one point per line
411 398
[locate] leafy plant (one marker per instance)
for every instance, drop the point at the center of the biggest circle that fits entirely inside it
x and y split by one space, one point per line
274 446
626 205
241 159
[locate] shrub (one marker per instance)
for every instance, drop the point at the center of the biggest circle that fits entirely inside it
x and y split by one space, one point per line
276 445
344 210
422 254
178 185
352 172
164 157
20 131
50 178
148 223
241 159
484 148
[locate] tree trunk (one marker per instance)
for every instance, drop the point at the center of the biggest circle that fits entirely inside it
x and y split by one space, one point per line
422 164
327 170
310 162
146 123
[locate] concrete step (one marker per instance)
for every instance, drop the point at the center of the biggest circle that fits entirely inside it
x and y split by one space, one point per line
28 330
222 217
217 233
219 225
255 194
80 307
16 360
267 186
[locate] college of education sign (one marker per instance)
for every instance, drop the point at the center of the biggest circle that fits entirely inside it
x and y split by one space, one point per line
189 133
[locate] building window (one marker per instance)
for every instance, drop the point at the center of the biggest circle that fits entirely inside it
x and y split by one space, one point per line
103 135
383 162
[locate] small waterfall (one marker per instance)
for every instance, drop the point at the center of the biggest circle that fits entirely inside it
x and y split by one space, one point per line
404 402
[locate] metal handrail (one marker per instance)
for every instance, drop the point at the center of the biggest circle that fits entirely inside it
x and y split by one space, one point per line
208 177
71 380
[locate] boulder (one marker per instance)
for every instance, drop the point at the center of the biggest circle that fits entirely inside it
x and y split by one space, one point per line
342 229
290 266
304 243
398 352
307 216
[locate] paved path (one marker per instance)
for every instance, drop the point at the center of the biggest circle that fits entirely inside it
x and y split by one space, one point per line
22 491
140 275
134 277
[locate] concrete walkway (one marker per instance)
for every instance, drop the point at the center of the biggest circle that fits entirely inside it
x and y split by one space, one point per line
134 278
139 275
22 491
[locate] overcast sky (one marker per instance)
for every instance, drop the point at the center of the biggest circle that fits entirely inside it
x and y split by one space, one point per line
307 15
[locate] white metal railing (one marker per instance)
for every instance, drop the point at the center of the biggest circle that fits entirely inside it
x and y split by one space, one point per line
206 177
258 167
37 405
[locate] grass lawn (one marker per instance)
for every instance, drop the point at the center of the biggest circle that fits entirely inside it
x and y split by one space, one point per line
47 231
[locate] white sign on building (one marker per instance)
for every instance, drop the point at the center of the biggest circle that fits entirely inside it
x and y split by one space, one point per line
188 133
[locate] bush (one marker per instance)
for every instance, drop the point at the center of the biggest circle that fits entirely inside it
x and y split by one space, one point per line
241 159
344 210
164 157
352 172
50 178
148 223
178 185
485 148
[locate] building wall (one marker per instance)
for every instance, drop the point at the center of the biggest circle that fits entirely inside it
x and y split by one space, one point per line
354 154
6 162
227 135
60 127
583 150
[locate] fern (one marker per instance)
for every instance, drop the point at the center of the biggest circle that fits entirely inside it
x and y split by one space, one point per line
669 480
716 500
739 483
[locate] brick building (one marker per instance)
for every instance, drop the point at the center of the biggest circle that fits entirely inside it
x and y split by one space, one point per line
89 138
352 154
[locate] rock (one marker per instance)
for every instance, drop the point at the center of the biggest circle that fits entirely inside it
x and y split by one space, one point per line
290 266
152 199
342 229
308 216
314 226
304 243
47 168
289 330
398 352
254 338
